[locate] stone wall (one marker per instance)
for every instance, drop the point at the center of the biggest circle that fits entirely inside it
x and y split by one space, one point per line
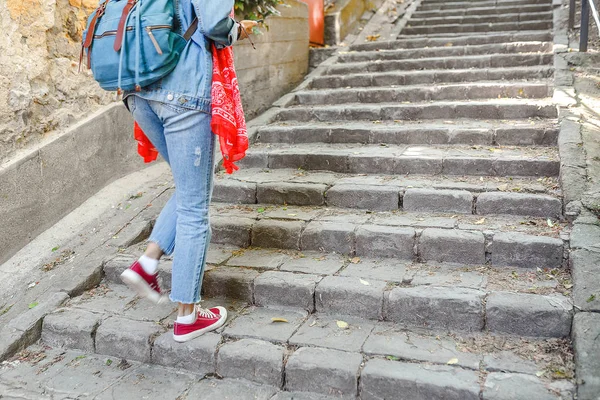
40 88
57 171
280 60
41 91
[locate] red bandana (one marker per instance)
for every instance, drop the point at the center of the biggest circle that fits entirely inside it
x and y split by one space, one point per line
227 121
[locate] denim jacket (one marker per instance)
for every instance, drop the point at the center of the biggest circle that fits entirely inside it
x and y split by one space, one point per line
189 84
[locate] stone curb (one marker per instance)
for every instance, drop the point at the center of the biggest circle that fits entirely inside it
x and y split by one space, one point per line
27 328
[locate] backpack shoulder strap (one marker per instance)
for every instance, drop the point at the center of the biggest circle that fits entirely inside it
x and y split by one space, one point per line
190 31
121 29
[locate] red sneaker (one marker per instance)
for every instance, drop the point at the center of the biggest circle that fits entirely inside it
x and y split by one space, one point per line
145 285
206 321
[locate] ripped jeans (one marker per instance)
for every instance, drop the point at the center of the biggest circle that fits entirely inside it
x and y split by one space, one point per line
184 139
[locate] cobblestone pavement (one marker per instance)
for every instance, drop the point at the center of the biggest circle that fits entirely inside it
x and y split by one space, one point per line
401 229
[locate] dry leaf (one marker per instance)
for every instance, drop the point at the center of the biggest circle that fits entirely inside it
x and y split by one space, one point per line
452 361
364 282
279 319
355 260
480 222
372 38
342 324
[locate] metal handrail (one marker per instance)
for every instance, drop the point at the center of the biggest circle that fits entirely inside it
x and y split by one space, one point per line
586 6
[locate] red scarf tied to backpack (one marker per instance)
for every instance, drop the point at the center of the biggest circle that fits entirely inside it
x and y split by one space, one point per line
227 121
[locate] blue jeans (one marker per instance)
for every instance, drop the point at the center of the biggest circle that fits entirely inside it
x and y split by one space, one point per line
184 139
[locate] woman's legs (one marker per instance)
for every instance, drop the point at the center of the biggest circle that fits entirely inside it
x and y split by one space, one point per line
183 137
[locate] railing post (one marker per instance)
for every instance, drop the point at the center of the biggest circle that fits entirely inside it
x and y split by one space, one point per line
585 25
572 6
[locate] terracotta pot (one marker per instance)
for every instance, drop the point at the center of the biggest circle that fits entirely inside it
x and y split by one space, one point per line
316 21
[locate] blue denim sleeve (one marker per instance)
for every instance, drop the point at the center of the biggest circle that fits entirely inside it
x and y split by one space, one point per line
214 21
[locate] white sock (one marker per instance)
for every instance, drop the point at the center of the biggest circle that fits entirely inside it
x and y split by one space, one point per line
149 265
187 319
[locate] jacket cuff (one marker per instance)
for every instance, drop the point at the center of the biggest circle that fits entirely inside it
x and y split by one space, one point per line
232 37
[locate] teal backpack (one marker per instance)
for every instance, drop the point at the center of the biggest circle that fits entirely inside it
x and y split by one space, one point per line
130 44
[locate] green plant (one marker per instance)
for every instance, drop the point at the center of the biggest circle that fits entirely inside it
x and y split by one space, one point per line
256 9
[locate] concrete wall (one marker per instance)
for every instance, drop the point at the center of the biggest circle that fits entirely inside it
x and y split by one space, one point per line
280 60
342 19
59 172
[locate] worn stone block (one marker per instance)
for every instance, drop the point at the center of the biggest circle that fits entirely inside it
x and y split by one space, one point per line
383 379
145 380
114 267
323 331
437 307
230 389
234 191
506 361
533 205
389 340
277 234
257 323
323 371
585 268
508 386
519 250
529 314
315 263
231 230
449 245
82 375
348 296
328 237
274 288
71 329
586 236
258 258
431 200
232 282
586 342
125 338
464 165
385 241
197 355
292 193
377 269
251 359
370 197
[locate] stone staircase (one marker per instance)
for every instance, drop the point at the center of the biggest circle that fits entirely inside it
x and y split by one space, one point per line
396 232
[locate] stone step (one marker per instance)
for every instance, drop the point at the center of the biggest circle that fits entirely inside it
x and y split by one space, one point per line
405 160
363 192
472 132
447 51
483 11
473 19
502 241
475 3
477 27
419 93
450 35
435 63
438 6
378 79
504 109
412 42
304 356
377 289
